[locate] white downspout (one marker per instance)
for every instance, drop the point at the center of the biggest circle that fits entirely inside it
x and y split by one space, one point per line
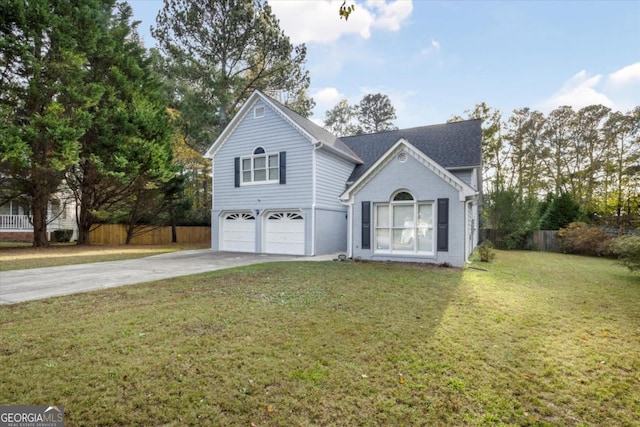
316 146
350 232
212 207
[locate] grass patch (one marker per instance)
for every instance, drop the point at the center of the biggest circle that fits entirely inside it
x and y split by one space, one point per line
539 340
20 256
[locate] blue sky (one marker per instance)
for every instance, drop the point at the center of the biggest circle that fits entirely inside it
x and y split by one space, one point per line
435 59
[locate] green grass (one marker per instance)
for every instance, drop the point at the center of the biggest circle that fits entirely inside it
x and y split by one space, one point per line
538 340
22 256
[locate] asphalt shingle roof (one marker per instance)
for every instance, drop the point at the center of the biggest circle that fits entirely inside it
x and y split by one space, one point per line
452 145
316 131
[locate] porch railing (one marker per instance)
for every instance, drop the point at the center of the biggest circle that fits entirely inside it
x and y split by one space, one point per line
15 222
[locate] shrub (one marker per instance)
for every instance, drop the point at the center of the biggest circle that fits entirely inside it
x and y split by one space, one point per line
584 239
511 216
486 251
63 235
559 211
627 248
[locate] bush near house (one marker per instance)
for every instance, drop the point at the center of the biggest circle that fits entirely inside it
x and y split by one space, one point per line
486 251
62 235
584 239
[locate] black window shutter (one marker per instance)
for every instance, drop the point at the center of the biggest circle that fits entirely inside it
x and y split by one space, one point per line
366 225
237 171
443 225
283 167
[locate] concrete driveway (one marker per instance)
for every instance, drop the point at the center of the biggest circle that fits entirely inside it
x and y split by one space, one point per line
39 283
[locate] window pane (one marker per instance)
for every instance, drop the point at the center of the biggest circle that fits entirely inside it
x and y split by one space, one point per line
425 215
403 240
246 176
259 163
260 175
273 161
382 215
246 164
403 216
273 174
403 195
425 239
382 238
258 150
425 228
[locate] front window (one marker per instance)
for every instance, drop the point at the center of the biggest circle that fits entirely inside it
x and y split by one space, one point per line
404 225
260 168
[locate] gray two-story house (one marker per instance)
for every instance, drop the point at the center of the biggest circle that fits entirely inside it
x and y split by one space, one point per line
284 185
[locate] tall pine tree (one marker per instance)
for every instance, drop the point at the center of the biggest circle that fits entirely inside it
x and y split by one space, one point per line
219 51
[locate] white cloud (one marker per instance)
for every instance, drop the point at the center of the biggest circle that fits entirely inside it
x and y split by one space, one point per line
390 16
625 76
318 21
325 100
619 90
579 91
328 95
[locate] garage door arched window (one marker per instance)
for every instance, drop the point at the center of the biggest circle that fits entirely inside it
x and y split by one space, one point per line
404 225
284 233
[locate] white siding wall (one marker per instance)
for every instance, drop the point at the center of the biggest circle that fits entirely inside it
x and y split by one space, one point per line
425 186
332 174
274 134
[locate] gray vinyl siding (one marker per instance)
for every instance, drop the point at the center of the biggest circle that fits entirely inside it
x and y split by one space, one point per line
466 175
332 173
425 186
331 231
274 134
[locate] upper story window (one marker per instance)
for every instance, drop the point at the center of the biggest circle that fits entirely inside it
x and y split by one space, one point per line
258 112
260 168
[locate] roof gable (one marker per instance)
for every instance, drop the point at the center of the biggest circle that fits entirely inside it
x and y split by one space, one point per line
402 145
452 145
306 127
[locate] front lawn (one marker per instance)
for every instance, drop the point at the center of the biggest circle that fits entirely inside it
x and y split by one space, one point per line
539 339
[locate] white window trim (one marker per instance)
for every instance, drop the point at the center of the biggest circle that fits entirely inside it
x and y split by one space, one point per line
252 159
416 206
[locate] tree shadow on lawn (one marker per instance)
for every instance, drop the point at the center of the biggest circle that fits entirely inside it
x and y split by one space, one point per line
274 344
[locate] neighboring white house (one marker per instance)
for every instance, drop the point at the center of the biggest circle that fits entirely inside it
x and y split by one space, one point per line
282 184
16 223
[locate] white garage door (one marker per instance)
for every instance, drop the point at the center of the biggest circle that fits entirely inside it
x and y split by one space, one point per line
238 232
284 233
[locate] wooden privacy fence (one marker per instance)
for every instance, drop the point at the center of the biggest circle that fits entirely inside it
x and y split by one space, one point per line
539 240
546 240
116 234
